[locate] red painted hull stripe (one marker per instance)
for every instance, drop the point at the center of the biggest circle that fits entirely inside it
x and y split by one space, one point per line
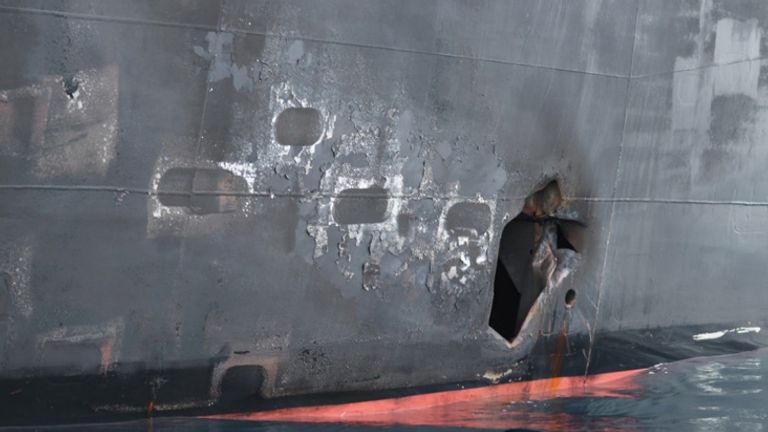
435 408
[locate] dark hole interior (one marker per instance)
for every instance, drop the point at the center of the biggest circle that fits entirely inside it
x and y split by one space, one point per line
70 86
562 241
242 382
513 289
506 301
570 297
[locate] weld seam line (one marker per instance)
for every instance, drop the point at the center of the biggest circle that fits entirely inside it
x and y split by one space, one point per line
698 68
313 194
219 28
614 190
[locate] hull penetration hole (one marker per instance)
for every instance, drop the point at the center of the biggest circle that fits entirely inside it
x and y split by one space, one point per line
570 298
520 279
514 290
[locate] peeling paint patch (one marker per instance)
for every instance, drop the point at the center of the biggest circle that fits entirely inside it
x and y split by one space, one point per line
296 122
108 336
220 53
361 206
468 216
66 126
195 190
370 275
347 191
463 239
320 234
299 127
736 42
721 333
185 193
495 377
245 170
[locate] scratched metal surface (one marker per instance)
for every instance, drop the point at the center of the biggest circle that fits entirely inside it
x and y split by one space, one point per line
342 135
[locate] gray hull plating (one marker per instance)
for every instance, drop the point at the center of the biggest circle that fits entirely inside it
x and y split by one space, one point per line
318 189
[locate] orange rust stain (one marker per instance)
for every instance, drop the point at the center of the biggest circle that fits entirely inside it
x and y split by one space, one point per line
106 355
461 408
559 355
557 362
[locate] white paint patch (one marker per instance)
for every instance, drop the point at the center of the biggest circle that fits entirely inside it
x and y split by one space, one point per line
75 103
452 272
246 170
463 247
736 42
394 187
157 210
696 86
273 155
387 174
320 234
295 52
222 64
164 220
495 377
709 336
721 333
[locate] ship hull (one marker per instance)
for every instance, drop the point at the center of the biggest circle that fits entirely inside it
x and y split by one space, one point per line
219 206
